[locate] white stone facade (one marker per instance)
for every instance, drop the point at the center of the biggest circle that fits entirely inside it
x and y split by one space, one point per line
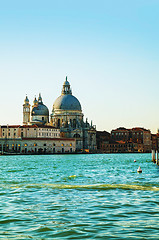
37 145
28 131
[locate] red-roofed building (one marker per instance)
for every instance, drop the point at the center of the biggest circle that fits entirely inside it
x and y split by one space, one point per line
33 139
127 140
120 134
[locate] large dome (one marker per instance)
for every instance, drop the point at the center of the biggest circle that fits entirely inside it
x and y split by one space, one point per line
67 102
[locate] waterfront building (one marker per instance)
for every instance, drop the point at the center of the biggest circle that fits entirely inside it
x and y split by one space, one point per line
122 147
154 138
102 137
142 136
120 134
34 139
28 131
126 140
119 147
157 142
66 115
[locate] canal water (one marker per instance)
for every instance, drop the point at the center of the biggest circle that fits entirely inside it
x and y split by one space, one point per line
79 197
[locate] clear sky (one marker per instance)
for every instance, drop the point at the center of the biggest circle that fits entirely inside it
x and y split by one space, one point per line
109 49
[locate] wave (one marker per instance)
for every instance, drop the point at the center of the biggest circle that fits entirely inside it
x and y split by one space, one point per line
85 187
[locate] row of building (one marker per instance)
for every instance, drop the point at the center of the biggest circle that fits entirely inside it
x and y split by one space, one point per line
122 140
34 139
49 139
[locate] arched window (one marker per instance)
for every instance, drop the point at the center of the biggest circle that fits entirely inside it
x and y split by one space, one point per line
74 123
76 135
58 123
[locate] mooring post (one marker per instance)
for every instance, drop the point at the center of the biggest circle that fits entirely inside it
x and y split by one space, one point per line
157 157
2 148
153 156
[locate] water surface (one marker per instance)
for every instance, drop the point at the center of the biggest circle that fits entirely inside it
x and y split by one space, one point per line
79 197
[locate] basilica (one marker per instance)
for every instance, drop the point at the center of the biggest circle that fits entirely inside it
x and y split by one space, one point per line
66 115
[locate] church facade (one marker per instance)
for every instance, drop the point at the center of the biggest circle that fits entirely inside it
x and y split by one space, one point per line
66 115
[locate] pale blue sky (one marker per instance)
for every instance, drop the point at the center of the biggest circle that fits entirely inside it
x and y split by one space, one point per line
108 49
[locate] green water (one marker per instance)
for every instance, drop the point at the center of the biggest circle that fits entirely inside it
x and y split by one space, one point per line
79 197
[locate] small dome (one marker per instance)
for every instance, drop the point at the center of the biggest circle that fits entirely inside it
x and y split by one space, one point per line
40 110
67 102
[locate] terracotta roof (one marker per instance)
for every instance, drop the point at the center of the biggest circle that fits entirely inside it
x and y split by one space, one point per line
140 129
35 126
121 142
121 130
154 135
29 126
43 126
53 139
10 126
103 133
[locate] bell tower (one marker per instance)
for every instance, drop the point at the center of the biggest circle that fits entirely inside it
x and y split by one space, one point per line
26 111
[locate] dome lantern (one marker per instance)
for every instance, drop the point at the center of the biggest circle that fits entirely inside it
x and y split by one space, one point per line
66 88
40 99
26 101
35 102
